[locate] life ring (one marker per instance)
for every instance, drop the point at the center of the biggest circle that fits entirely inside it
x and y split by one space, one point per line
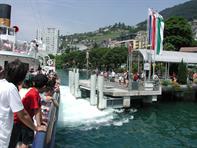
50 62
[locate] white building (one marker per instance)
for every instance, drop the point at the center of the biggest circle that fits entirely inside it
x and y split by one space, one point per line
49 37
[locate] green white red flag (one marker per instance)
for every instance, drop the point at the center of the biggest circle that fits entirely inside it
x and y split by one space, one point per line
155 31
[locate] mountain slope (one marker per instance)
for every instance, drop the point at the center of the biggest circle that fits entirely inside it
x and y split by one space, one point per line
187 10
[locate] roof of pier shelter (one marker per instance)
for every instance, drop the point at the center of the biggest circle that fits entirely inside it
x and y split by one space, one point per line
188 49
170 56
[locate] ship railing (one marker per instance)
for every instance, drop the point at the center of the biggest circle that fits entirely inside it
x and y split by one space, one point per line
47 139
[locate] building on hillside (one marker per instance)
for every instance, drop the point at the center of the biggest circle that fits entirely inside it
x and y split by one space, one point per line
141 38
124 43
189 49
80 47
137 42
49 37
127 36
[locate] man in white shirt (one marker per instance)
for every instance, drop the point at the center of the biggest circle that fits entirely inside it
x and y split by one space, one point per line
10 101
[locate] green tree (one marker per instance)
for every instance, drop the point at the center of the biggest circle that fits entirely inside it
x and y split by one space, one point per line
75 59
102 58
115 57
182 73
51 56
59 60
177 33
96 57
169 47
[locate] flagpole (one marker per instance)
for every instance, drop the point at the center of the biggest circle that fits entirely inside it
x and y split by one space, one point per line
155 50
147 41
153 65
154 41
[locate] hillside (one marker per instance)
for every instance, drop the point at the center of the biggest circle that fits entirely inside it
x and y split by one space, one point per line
119 30
188 10
116 31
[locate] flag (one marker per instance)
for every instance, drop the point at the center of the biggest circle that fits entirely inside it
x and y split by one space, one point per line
160 33
149 23
155 31
151 28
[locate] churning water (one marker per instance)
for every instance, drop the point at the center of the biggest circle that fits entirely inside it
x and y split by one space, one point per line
161 125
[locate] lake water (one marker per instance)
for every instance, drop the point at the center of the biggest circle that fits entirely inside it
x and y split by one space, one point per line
161 125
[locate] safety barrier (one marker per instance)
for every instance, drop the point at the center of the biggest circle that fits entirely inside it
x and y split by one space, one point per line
47 139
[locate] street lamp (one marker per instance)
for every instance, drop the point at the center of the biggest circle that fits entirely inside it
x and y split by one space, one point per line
130 66
87 62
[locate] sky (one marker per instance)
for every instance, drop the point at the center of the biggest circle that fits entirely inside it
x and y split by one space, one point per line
78 16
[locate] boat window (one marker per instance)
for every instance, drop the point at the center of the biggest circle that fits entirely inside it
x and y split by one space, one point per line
11 31
3 30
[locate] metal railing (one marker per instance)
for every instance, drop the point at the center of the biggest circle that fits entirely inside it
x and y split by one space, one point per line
46 139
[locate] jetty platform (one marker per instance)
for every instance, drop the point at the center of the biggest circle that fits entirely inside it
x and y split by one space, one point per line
104 93
114 89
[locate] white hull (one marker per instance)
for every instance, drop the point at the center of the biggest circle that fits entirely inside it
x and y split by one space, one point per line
8 56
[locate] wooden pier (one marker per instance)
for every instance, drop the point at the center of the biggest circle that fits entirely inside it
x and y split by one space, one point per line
107 94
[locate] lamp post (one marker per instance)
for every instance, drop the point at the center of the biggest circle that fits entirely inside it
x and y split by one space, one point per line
87 61
130 66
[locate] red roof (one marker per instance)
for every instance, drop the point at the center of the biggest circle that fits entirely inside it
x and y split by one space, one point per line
188 49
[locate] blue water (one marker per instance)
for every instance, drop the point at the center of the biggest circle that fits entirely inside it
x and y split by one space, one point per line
161 125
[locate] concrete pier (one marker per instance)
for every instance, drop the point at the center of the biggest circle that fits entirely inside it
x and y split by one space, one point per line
106 94
112 95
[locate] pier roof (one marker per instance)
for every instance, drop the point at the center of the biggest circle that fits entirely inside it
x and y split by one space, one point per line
170 56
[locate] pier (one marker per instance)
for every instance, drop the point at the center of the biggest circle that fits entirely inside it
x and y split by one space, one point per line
106 94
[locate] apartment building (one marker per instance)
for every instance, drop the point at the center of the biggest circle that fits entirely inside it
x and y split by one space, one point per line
49 37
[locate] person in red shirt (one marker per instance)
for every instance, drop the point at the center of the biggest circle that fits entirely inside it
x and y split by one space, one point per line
32 104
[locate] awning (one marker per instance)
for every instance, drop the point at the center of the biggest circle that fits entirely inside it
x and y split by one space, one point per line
170 56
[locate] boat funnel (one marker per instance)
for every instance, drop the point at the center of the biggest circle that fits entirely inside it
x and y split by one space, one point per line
5 13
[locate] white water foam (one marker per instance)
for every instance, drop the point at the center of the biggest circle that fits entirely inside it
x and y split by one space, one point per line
79 113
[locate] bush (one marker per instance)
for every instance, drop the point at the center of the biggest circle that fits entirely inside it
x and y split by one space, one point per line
195 81
176 86
120 70
182 73
166 82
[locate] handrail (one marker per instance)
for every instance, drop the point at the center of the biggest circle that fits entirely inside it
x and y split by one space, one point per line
45 139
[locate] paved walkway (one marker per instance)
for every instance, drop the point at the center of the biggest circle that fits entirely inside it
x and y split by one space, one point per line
115 84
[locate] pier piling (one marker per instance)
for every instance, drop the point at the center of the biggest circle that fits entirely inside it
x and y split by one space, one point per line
101 101
93 98
76 85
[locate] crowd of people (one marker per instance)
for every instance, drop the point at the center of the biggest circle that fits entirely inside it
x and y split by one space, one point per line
22 94
121 78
